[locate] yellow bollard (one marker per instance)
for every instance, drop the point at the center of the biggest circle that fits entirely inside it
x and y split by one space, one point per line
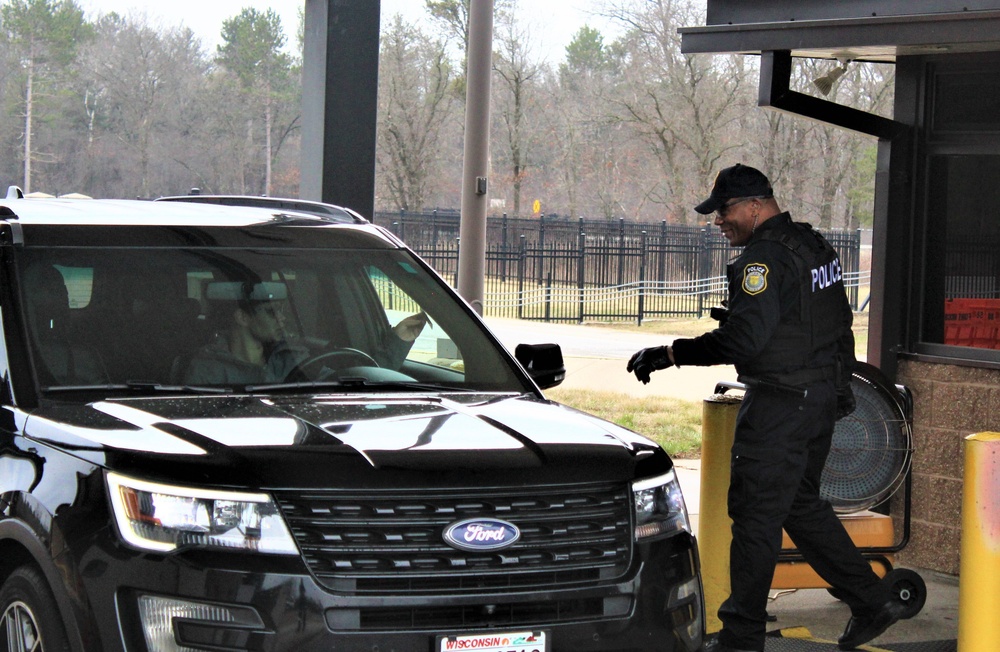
714 525
978 589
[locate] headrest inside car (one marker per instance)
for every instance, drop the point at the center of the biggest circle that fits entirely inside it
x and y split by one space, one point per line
236 291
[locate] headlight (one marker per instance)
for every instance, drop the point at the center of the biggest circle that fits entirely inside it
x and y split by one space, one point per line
659 507
163 518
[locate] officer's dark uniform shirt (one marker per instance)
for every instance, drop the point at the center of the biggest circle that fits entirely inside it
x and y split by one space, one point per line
789 319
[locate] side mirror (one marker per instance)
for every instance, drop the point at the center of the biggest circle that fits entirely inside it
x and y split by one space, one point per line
543 362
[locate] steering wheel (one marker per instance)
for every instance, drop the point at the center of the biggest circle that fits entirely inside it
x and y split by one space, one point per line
310 367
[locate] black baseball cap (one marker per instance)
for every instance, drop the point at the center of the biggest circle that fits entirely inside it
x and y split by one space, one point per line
734 182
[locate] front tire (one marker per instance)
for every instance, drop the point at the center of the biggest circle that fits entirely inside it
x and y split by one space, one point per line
29 617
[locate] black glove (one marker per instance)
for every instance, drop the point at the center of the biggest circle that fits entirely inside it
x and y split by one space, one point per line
845 401
647 361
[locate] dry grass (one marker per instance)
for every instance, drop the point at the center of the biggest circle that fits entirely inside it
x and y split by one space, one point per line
672 423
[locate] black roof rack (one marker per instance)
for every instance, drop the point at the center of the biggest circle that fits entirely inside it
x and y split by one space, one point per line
318 209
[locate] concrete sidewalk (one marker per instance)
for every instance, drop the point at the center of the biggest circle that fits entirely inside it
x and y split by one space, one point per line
595 359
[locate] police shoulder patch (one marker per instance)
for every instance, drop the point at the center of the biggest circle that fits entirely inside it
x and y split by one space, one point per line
755 278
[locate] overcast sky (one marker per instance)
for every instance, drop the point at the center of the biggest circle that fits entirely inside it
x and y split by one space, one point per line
551 23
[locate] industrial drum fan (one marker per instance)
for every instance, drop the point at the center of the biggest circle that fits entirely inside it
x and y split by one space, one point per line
870 460
872 447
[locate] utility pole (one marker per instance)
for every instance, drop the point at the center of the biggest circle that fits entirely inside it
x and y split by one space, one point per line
472 252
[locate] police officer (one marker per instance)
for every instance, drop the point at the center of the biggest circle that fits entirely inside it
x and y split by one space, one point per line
788 333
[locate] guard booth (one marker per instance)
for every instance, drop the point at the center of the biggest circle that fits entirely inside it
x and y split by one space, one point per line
933 323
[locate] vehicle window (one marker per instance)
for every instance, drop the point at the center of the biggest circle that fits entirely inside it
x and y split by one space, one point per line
431 344
79 282
232 318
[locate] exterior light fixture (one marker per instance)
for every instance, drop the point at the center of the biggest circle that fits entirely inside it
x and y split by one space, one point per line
825 83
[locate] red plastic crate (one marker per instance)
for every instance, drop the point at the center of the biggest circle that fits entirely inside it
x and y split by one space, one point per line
972 322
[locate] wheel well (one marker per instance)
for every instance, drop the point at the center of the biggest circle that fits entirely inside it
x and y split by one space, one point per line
12 556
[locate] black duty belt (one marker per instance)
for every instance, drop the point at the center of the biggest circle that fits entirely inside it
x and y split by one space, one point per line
792 382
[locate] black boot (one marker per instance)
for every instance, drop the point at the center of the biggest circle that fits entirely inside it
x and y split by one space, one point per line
861 629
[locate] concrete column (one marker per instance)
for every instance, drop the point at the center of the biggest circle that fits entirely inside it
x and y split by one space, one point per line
340 102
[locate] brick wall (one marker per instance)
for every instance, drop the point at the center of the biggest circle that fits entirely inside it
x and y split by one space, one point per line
950 403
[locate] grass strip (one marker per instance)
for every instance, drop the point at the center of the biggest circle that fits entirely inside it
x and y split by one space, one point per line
673 423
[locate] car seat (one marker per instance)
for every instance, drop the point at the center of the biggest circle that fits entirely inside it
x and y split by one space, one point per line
58 359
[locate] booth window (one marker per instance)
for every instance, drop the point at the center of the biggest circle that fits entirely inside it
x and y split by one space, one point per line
962 282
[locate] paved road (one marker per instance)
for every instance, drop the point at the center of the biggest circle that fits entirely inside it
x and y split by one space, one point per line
576 340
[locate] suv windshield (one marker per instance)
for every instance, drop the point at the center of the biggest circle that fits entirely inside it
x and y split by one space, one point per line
276 318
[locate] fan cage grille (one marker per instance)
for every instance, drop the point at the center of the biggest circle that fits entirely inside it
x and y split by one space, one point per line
871 450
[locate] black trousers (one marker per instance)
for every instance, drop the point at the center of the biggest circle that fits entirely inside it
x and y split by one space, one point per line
779 451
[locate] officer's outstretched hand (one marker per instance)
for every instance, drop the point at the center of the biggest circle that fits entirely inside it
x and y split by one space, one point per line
647 361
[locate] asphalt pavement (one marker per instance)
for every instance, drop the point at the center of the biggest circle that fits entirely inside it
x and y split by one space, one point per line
595 358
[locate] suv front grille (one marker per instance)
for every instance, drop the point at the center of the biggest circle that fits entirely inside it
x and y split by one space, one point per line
456 617
391 542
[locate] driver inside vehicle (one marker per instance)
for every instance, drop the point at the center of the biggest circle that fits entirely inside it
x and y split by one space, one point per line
254 346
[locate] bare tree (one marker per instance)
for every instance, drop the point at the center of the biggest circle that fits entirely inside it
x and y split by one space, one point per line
781 144
822 171
452 17
682 106
595 158
138 93
870 87
416 103
252 50
632 128
517 75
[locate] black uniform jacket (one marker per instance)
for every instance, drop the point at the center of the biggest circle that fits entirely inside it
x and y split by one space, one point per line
769 333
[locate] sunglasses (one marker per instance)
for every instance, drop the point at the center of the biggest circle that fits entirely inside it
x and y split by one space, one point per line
724 209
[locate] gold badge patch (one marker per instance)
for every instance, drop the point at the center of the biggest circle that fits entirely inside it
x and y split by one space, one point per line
755 278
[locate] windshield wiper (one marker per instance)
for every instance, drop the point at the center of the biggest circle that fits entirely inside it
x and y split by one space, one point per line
138 387
354 383
400 384
306 384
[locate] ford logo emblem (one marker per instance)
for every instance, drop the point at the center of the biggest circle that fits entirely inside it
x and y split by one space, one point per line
481 534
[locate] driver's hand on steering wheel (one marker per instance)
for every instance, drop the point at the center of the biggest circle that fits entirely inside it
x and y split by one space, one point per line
410 327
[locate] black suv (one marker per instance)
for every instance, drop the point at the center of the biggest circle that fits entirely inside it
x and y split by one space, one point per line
274 427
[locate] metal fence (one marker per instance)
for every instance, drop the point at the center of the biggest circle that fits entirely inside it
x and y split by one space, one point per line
555 269
972 269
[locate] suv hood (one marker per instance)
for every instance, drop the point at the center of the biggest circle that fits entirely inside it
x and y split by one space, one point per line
299 441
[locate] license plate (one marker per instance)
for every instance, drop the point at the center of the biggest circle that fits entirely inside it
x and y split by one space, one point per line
495 642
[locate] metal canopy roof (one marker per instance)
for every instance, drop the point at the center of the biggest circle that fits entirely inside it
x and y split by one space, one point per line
870 38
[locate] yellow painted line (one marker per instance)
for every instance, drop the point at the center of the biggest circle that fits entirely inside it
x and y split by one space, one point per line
797 632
